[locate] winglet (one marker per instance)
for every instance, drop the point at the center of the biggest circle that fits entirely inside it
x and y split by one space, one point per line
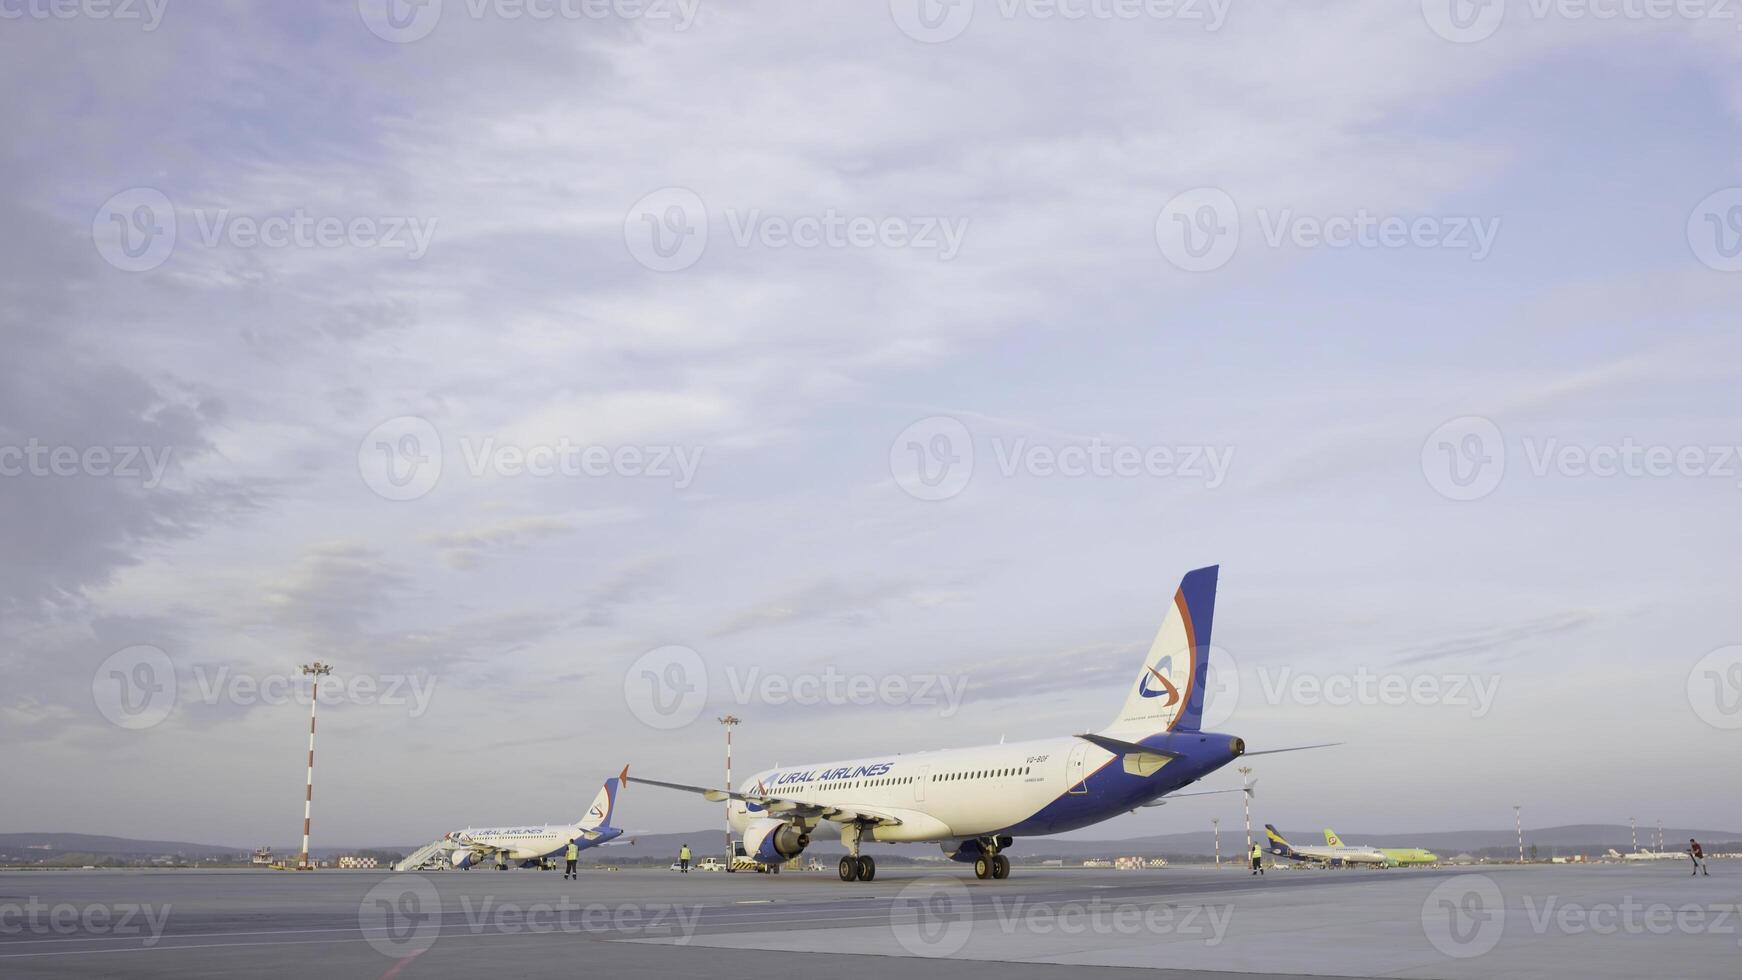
624 776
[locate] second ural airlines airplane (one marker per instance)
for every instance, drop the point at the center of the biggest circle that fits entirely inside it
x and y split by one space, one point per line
976 801
533 844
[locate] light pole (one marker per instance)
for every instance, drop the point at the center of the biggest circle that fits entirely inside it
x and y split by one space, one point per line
1633 825
1246 803
317 670
1518 821
728 722
1660 835
1216 822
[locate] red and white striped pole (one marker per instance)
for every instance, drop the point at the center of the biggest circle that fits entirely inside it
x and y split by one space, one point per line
317 670
729 721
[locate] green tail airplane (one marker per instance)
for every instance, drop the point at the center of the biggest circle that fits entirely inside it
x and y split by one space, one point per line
1395 857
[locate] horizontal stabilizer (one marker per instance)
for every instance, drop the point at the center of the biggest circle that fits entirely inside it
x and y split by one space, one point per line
1296 748
1122 747
1251 790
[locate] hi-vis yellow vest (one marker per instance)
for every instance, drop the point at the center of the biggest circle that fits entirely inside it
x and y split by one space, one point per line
573 852
1257 852
685 853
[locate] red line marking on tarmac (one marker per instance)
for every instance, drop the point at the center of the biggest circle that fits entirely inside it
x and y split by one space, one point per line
393 970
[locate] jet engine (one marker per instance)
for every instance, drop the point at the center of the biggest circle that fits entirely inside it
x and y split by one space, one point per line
772 841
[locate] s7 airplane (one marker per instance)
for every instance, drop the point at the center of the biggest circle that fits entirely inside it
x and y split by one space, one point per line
1395 857
976 801
534 844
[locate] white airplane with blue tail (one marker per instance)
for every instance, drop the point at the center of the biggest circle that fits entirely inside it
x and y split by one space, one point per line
532 845
977 801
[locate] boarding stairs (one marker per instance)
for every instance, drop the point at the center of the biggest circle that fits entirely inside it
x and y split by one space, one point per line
435 852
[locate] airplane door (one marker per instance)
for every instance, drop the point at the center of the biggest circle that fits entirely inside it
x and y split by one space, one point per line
919 784
1074 770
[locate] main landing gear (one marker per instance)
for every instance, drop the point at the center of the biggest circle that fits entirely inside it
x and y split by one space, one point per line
862 868
856 866
991 864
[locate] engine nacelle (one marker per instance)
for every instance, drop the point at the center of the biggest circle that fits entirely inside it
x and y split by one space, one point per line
772 841
462 858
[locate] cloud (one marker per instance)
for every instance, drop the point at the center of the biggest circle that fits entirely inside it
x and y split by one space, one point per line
630 582
463 550
842 601
69 529
333 592
529 319
1101 666
1496 638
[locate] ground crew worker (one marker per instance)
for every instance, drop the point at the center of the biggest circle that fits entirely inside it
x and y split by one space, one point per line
1257 859
569 857
1699 856
683 859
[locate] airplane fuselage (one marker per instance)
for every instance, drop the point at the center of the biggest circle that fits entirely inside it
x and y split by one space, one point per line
1047 786
1339 855
529 843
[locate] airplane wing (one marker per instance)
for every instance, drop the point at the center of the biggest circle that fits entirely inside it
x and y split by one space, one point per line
787 807
463 842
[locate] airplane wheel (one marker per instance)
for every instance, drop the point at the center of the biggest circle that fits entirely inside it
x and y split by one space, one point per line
982 868
1000 866
849 869
867 868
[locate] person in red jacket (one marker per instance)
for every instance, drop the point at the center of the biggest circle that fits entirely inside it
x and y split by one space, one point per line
1699 857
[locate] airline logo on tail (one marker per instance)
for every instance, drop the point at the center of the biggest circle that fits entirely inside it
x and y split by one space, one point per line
1166 688
599 814
1332 839
1169 693
1278 843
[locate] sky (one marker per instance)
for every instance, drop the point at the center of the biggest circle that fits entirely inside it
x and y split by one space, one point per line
568 376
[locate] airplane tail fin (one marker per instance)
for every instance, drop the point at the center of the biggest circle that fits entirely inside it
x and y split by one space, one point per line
1332 839
1278 843
1168 693
599 814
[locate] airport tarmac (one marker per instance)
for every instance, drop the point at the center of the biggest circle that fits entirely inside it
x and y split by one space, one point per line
1491 921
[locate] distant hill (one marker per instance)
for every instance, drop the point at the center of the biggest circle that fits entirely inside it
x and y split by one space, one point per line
119 846
1585 835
